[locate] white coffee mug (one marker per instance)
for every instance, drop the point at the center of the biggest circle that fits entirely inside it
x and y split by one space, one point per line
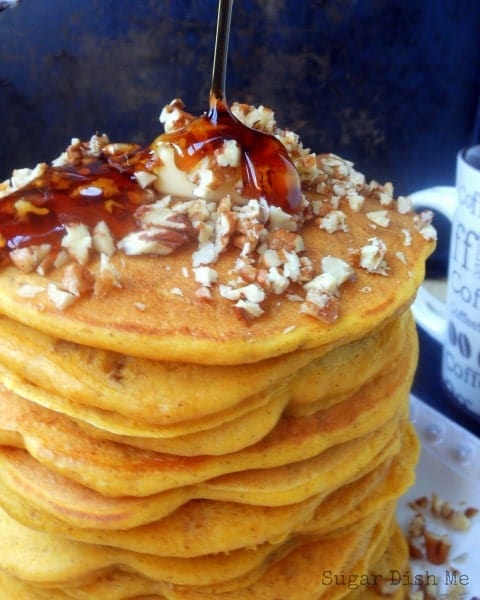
456 323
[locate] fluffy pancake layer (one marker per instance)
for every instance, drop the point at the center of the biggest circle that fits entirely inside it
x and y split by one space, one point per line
51 561
170 396
202 526
55 441
211 332
318 489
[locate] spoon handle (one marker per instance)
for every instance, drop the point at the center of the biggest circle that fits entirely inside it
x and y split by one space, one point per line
224 17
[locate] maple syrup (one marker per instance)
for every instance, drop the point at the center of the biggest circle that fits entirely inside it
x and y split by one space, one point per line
267 170
91 190
87 191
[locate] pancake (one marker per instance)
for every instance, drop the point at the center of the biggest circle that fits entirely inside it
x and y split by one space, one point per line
314 379
395 559
340 372
160 393
301 574
115 586
248 419
36 487
211 333
13 587
71 565
49 560
263 420
114 469
381 244
225 526
171 395
43 500
346 505
239 427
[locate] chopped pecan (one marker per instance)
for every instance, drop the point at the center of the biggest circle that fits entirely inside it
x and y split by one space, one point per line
471 512
155 240
440 508
414 551
225 226
77 279
325 309
417 526
281 239
27 259
437 548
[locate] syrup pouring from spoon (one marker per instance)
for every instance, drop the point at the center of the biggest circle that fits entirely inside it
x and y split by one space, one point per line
267 171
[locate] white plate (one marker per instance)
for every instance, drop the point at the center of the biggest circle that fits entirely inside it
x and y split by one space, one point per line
450 468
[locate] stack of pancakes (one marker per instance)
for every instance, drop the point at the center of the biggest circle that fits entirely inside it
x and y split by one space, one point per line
155 445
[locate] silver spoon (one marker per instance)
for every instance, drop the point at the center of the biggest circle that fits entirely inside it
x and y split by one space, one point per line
224 17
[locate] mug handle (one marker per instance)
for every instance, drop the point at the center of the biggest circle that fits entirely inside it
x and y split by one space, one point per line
429 311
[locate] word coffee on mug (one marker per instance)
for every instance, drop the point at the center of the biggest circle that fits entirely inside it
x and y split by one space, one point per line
461 353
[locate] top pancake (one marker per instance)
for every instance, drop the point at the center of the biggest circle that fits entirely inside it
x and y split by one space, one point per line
262 294
186 328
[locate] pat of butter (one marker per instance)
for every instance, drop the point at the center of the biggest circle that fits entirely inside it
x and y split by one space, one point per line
200 182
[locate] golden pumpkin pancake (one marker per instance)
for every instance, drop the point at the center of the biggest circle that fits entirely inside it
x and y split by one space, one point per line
164 394
394 560
242 425
120 585
312 381
211 333
252 416
228 437
279 278
114 469
295 575
201 527
297 481
342 371
34 486
346 505
74 563
52 560
93 378
211 440
11 587
71 564
61 506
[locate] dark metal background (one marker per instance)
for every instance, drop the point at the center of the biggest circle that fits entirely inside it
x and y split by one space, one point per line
391 84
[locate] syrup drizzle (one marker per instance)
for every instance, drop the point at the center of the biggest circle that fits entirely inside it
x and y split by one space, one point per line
267 170
89 190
